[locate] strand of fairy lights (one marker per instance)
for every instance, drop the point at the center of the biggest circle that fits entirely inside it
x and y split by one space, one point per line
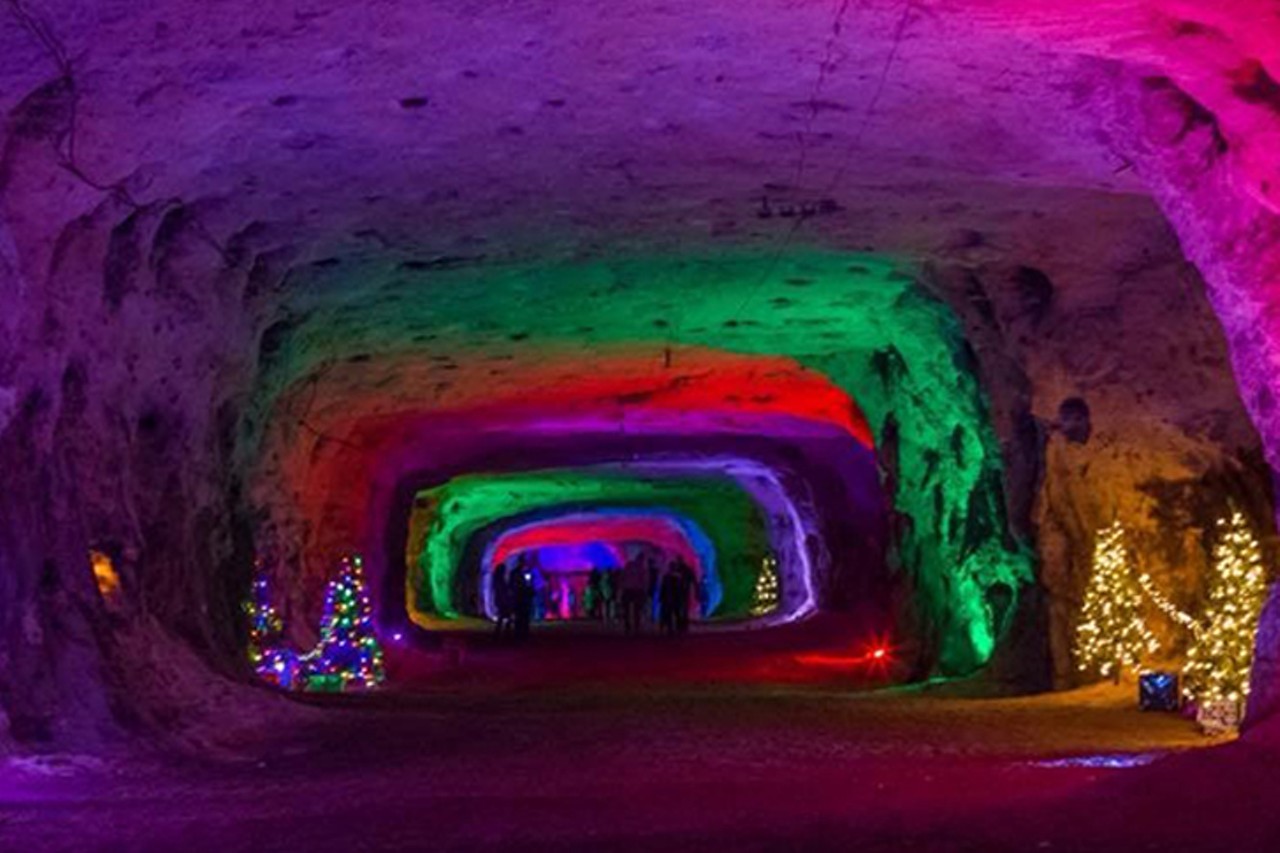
1167 607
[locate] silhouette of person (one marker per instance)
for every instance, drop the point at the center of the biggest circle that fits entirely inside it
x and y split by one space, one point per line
595 592
501 600
634 588
523 595
688 581
608 596
652 599
669 601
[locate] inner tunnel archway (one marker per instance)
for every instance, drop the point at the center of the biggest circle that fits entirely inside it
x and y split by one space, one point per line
922 294
604 540
784 364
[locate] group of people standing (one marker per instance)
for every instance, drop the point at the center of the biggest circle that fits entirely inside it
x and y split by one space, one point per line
514 596
641 591
637 593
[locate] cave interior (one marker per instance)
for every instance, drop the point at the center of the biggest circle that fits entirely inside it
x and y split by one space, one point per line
873 314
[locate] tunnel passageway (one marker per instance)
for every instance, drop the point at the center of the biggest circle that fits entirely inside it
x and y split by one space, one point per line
682 764
868 405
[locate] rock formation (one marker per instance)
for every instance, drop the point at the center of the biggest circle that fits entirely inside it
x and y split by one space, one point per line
267 272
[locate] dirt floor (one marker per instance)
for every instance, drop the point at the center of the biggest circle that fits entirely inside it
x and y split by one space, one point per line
692 744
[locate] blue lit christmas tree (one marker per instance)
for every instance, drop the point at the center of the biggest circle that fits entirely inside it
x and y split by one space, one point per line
348 655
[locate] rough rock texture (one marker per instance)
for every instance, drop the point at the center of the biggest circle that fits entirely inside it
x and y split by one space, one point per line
1106 371
172 177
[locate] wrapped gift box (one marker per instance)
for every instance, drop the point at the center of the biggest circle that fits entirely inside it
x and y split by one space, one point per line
1158 691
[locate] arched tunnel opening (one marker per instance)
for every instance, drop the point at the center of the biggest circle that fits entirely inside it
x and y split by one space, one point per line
725 515
808 500
577 553
932 498
868 405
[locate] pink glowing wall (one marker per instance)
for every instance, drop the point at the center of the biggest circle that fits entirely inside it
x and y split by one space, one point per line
617 530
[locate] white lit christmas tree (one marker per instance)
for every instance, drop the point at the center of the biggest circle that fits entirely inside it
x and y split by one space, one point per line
1112 635
766 596
1221 654
348 654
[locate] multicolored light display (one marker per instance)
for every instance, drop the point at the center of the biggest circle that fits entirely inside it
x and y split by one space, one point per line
721 523
815 323
348 655
606 537
666 531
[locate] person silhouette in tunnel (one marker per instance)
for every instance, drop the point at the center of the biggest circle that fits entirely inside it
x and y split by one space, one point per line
669 589
633 585
687 585
522 595
501 583
595 593
608 596
652 599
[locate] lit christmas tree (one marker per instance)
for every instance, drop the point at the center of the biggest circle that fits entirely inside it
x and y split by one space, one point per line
766 593
1111 634
348 654
264 622
271 660
1221 654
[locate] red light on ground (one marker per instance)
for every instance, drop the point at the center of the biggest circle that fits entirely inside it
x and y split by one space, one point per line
876 658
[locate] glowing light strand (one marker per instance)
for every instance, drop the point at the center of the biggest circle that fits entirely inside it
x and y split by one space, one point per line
1167 607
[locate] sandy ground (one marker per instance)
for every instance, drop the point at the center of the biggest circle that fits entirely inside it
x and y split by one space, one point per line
675 745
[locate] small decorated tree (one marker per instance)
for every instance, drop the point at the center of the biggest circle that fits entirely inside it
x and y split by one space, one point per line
766 597
1112 635
265 625
271 659
348 654
1221 654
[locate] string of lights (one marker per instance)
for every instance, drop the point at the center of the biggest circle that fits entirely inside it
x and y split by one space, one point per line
1165 606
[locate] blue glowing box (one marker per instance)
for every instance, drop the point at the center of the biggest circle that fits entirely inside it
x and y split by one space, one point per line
1158 691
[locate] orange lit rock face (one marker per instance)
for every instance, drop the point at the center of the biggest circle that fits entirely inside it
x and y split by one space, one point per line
105 575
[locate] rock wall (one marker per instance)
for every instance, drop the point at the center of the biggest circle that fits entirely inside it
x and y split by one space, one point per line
122 356
163 193
1219 206
1189 98
1111 387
